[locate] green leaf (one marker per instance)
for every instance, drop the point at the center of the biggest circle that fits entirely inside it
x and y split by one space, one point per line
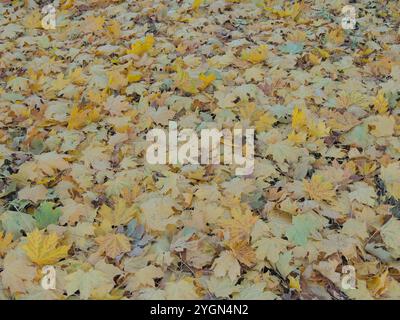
15 222
46 215
37 146
358 136
302 226
292 48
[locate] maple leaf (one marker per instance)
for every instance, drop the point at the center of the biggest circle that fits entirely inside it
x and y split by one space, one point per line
88 282
336 36
270 248
380 103
116 80
158 213
67 4
113 244
17 272
283 265
382 125
298 119
72 211
390 233
363 194
390 174
226 264
77 119
303 226
206 80
186 83
378 284
243 252
317 129
17 222
264 122
318 188
196 4
44 249
255 292
294 283
5 241
50 162
182 289
239 227
120 215
144 277
134 76
297 138
93 24
140 47
255 55
222 287
35 193
46 215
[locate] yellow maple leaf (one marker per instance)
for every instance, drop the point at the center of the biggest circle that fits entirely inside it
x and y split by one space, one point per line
116 80
5 241
43 249
80 117
297 138
239 227
336 36
77 118
255 55
294 283
318 130
33 20
76 77
243 252
366 168
378 284
67 4
140 47
121 214
60 83
298 119
93 115
113 244
185 82
323 53
293 12
97 97
196 4
380 103
319 189
134 76
314 59
206 80
115 29
381 66
264 122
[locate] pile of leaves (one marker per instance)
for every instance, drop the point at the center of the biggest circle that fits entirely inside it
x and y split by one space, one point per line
77 193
